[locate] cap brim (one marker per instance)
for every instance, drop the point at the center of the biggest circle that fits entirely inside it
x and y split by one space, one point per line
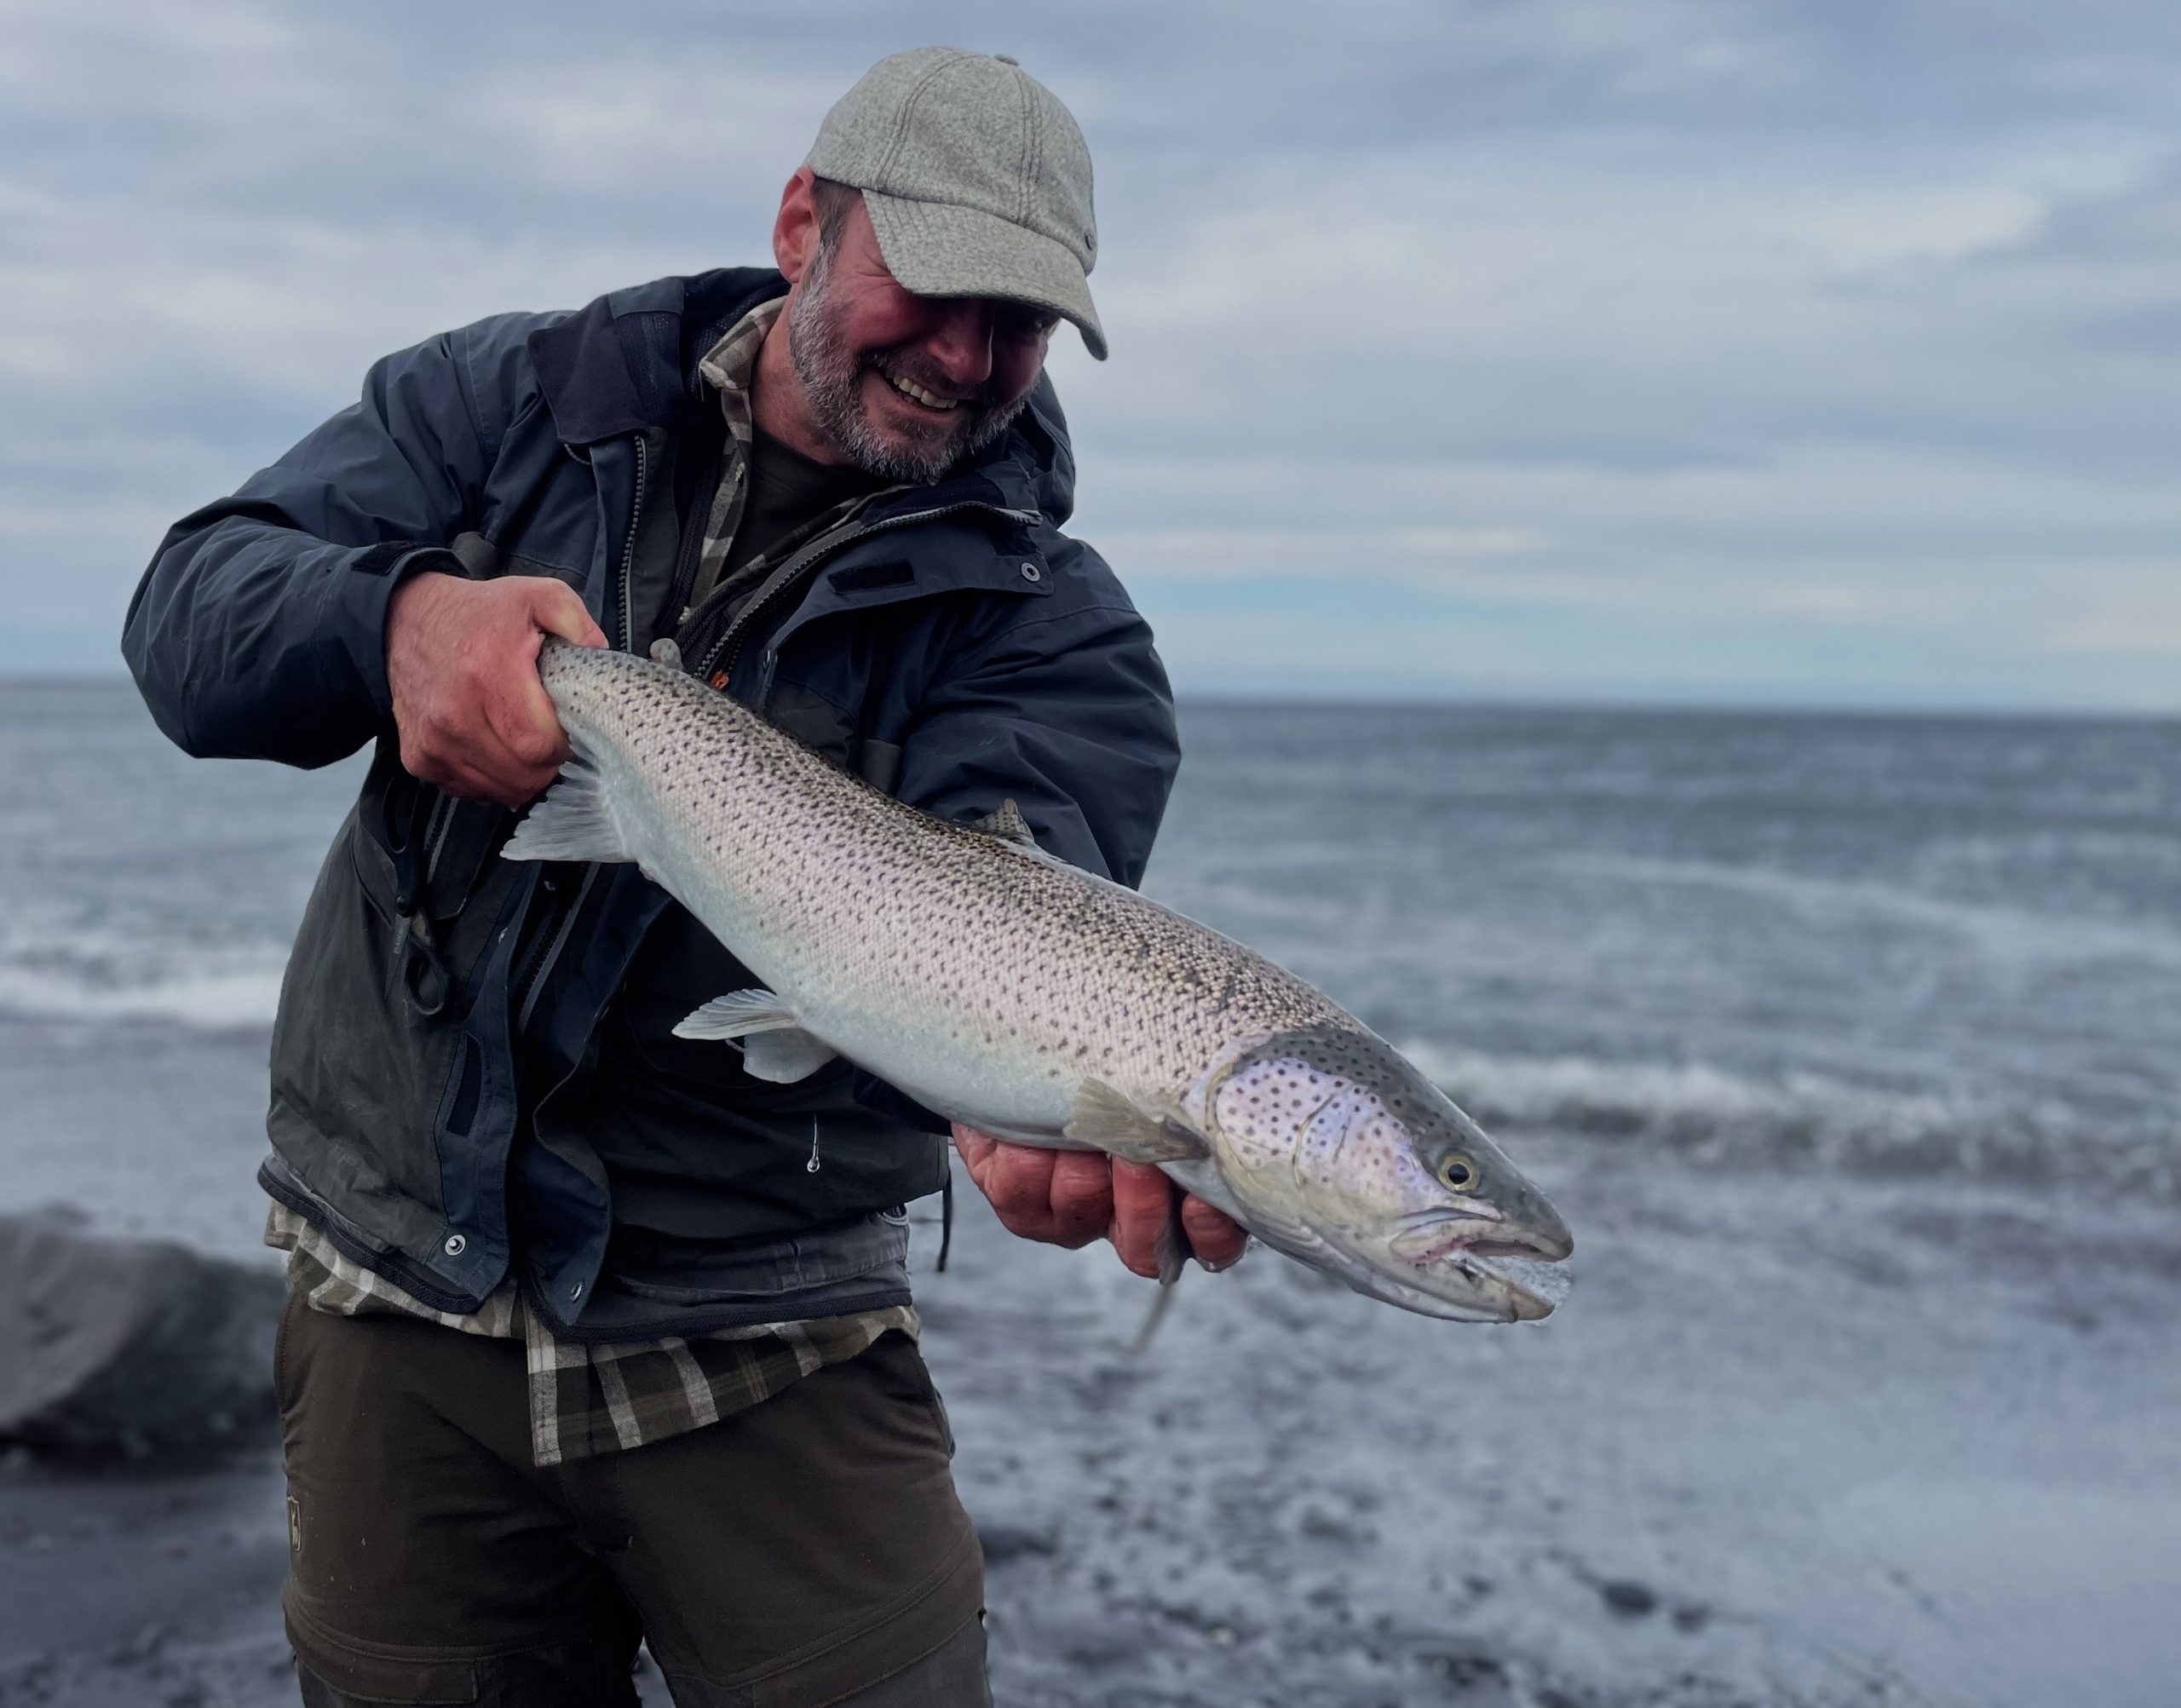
939 249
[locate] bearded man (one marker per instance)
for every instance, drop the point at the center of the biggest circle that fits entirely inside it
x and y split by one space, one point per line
591 1338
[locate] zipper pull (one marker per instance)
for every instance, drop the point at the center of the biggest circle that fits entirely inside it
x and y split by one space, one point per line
812 1166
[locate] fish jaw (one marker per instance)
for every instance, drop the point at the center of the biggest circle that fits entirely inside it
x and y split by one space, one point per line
1505 1264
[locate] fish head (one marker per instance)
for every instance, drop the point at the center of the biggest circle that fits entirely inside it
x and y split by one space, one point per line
1342 1152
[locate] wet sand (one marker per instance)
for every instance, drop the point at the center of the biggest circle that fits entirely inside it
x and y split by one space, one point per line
1791 1440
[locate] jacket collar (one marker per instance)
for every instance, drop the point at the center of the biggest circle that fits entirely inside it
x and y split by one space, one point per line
620 365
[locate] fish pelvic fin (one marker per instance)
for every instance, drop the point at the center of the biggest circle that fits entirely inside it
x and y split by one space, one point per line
774 1046
573 822
1116 1123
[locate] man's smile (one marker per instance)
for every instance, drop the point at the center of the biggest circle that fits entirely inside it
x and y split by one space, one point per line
917 394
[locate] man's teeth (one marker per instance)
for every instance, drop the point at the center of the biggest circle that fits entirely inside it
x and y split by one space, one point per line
909 388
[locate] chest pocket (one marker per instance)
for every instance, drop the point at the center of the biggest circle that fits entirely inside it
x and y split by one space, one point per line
817 722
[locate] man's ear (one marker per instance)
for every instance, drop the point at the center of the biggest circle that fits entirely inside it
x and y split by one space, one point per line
794 228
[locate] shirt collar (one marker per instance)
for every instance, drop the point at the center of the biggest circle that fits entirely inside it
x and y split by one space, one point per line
729 365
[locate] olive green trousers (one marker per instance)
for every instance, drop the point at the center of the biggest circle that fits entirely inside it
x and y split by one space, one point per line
808 1551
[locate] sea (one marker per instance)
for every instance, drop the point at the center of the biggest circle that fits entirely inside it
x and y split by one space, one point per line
1850 1047
1913 945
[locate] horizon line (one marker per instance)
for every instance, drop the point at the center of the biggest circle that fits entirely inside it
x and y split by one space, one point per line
1668 704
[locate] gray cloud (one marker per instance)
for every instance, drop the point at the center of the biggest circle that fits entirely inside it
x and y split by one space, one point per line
1596 346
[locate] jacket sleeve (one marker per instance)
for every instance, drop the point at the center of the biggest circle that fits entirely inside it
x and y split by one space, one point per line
1069 715
257 631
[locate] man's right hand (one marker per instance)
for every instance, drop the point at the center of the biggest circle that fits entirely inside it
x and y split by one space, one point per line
462 660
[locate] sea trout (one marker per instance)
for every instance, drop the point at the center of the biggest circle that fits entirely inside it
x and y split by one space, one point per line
1003 988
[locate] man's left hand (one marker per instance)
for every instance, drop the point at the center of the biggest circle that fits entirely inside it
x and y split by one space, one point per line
1070 1198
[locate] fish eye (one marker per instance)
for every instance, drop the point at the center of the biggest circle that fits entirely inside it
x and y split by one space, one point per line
1458 1173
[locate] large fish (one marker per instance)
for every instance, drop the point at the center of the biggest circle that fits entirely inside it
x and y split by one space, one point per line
1005 989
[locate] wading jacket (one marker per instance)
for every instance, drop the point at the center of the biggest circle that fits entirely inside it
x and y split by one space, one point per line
436 1108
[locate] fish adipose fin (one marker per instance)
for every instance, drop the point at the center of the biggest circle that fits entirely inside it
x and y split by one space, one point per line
1113 1123
573 822
1008 824
774 1046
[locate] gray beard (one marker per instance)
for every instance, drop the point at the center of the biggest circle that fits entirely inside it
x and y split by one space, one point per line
832 385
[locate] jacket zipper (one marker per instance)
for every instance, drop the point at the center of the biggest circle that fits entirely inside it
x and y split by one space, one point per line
629 553
530 978
812 554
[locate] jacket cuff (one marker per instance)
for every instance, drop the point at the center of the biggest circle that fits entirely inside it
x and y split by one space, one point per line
363 592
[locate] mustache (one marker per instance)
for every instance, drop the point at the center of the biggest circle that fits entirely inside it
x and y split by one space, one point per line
895 363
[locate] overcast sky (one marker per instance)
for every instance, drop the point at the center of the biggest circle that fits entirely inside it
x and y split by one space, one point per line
1825 352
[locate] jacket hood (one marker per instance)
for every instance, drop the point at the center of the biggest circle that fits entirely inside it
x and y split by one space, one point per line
627 363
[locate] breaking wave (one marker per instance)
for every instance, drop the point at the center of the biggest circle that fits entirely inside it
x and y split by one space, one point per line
1709 1115
111 973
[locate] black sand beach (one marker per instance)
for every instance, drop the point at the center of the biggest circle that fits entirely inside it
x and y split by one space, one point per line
1790 1441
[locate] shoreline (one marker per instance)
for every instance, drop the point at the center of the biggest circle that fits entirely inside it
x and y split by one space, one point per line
1792 1441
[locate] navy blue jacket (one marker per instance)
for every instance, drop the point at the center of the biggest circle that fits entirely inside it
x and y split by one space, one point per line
434 1075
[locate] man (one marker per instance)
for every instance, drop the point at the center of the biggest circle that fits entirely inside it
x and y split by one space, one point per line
590 1337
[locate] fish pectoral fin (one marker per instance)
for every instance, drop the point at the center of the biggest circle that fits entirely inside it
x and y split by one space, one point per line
774 1046
1115 1123
737 1014
785 1056
773 1039
573 822
1007 823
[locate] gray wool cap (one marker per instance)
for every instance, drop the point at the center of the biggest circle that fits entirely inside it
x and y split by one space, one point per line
976 178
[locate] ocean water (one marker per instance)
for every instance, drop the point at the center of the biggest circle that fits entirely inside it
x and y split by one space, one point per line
1848 1046
1915 945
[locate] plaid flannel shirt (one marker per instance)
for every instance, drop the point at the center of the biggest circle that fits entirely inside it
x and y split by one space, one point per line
585 1398
589 1398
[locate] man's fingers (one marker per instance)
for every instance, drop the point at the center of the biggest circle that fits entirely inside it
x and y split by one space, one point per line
521 716
1143 1202
976 1149
1082 1196
1216 1237
1017 1179
556 608
1070 1198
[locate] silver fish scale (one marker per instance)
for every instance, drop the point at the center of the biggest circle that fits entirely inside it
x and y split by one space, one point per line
985 980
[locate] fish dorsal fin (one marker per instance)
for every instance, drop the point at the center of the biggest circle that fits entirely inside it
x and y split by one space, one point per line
1008 824
664 652
574 821
774 1046
1116 1124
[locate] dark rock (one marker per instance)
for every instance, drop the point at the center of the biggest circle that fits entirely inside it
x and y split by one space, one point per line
1628 1598
130 1346
1006 1542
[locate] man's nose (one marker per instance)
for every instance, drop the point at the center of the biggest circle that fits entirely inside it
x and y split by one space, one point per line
960 340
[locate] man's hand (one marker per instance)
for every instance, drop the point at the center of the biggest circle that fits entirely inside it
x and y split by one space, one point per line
462 660
1070 1198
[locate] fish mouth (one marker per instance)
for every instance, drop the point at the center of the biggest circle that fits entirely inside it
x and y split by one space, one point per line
1463 1259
